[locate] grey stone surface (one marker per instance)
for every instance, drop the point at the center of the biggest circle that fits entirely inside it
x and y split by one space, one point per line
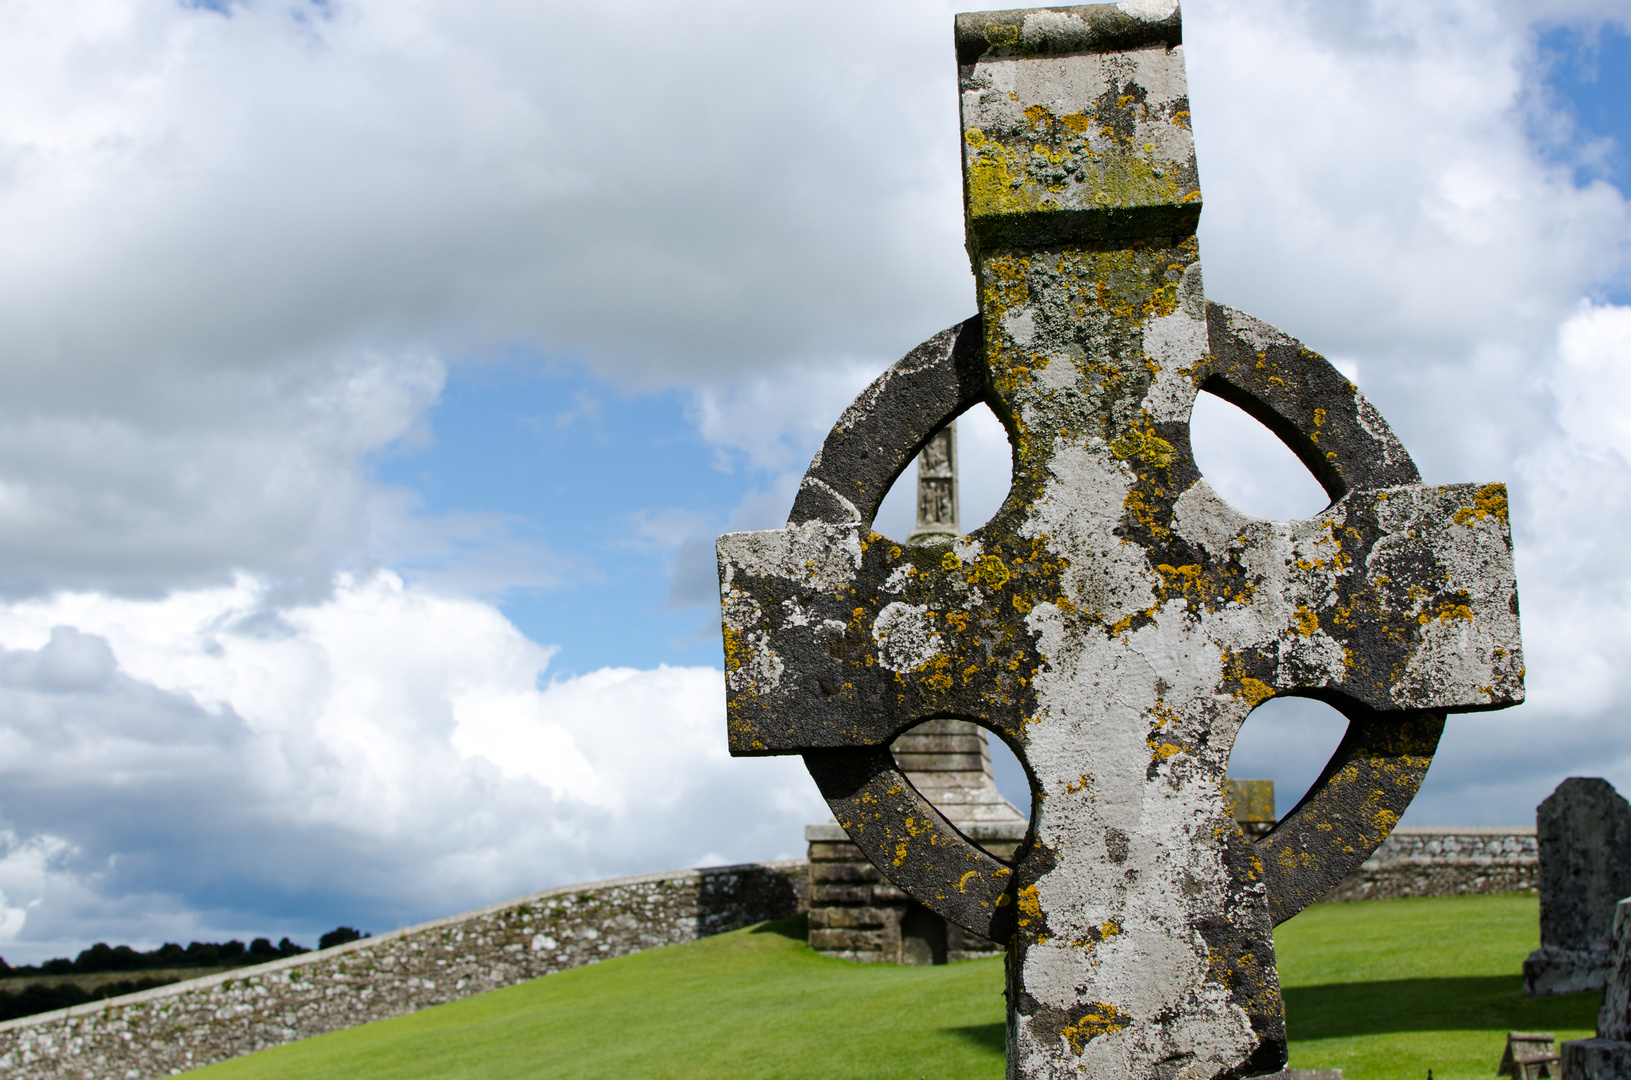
1614 1016
1529 1055
1608 1056
1115 621
1596 1059
1584 829
192 1024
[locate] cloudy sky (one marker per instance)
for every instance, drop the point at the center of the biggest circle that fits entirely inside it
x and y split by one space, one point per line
377 375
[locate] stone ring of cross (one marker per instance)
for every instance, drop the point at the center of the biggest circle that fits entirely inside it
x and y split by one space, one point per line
1116 621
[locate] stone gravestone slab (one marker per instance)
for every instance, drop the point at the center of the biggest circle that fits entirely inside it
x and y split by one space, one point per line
1115 621
1608 1056
1584 830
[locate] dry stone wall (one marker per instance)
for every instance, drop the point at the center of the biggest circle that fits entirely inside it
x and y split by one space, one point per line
1446 862
188 1025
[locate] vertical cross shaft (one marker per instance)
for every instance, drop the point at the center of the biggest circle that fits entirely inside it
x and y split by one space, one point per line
1115 622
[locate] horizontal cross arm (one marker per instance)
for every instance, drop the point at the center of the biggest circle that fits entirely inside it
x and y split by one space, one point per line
838 637
1399 598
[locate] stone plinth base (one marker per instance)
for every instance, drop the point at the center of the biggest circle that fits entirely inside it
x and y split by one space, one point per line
1551 970
856 914
1596 1059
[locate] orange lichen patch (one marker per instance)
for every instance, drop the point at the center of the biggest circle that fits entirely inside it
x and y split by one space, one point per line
1446 612
993 572
1145 514
1254 691
733 648
1162 751
1305 620
1489 502
1021 606
1146 445
939 673
962 882
1096 934
1079 785
1185 581
958 620
1030 905
1101 1020
950 561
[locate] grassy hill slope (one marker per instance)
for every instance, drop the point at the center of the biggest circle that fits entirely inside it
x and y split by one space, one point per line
1382 989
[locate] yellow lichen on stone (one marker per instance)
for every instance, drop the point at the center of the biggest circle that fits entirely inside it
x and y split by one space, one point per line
1162 751
1103 1019
993 572
1489 502
1306 621
1146 445
1254 691
1030 905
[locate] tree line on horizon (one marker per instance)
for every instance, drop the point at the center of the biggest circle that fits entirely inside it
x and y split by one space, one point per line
40 997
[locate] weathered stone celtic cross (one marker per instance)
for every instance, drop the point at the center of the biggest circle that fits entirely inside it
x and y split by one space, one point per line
1116 621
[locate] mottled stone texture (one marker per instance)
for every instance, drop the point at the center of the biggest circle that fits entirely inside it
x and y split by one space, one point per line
1585 869
1608 1056
1596 1059
1445 862
192 1024
1116 621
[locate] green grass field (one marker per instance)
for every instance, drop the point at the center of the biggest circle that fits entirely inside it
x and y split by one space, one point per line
1380 989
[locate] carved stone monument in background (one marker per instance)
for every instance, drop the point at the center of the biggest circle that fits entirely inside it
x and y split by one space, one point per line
1115 622
855 913
1584 829
937 510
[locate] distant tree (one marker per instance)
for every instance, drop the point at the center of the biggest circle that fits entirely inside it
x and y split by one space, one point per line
262 949
284 948
5 968
59 966
100 957
167 955
339 936
203 954
232 950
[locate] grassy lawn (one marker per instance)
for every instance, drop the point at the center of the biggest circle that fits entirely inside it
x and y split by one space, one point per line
1380 989
1390 988
754 1003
